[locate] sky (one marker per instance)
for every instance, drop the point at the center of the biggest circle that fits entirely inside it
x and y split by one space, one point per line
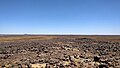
94 17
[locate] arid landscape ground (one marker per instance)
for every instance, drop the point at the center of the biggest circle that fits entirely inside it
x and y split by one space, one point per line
60 51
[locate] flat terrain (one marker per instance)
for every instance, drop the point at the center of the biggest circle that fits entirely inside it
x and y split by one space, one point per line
60 51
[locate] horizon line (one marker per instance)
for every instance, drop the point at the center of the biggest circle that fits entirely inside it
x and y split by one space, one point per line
51 34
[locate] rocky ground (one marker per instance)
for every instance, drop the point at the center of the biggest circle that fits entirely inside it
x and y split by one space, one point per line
60 53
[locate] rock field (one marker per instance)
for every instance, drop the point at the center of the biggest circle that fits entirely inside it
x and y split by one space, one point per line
60 53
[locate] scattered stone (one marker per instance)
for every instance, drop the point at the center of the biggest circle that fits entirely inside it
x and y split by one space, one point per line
103 66
96 58
60 53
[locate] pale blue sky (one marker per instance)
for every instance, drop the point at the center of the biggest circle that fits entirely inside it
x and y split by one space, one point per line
60 17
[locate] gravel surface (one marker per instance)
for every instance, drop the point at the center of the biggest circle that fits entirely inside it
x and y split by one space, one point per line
60 53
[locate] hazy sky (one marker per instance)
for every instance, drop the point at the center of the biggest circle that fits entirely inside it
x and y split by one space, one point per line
60 16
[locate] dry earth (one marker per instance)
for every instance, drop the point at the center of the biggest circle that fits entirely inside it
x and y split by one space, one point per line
60 51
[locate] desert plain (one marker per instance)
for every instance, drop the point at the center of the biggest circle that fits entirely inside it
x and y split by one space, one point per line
60 51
